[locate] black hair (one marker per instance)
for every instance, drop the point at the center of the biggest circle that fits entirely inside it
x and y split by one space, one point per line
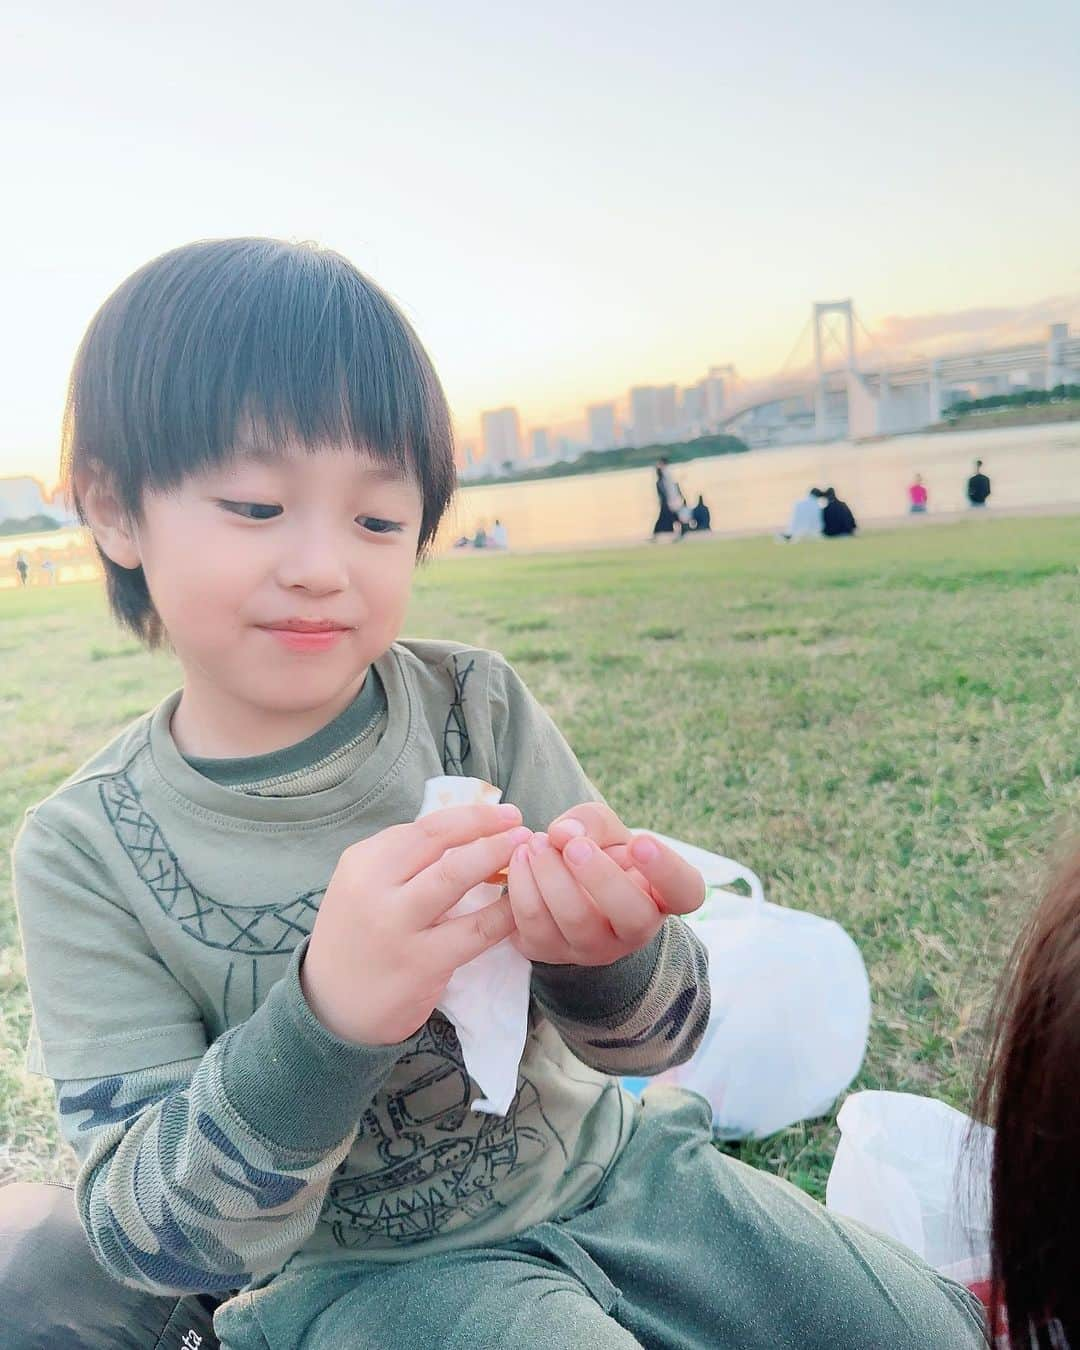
230 341
830 493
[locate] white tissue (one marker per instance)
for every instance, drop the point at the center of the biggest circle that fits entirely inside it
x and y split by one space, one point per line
487 1000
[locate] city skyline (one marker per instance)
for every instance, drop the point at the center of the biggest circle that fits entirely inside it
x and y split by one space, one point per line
568 203
521 440
891 398
658 414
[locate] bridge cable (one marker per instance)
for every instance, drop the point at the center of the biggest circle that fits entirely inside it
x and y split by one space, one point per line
791 354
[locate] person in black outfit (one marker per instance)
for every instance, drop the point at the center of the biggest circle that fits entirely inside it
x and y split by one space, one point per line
978 486
701 515
667 520
836 519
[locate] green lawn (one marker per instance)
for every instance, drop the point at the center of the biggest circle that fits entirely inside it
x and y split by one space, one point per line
885 729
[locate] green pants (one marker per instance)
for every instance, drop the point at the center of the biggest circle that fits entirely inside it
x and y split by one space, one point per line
683 1248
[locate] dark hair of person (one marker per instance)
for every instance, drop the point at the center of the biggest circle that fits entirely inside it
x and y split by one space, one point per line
250 342
1030 1093
978 464
816 492
830 493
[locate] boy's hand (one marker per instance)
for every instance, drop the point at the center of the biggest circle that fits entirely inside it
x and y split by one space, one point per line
381 952
589 892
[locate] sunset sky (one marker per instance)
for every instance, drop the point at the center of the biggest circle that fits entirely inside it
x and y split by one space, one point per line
566 199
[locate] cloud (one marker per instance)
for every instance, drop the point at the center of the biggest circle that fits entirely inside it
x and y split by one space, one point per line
986 326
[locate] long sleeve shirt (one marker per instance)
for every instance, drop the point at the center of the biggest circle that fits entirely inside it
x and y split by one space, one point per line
223 1132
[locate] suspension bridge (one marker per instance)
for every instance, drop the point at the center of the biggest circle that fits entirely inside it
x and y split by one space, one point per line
847 393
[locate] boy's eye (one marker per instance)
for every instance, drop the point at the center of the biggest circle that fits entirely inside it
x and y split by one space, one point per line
379 526
252 510
267 511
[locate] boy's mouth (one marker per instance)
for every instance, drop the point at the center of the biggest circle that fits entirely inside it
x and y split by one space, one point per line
307 635
307 626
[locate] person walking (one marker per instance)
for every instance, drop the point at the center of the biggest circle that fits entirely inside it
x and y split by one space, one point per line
668 495
978 486
22 566
918 496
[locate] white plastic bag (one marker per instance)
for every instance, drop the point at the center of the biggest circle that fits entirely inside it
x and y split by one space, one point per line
790 1007
906 1167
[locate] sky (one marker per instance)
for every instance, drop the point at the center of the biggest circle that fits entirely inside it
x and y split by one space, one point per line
565 199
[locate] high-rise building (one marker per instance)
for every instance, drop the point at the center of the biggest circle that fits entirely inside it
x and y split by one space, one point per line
692 409
667 412
715 385
540 441
644 419
501 433
603 434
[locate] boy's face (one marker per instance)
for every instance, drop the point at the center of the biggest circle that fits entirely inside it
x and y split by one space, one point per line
237 554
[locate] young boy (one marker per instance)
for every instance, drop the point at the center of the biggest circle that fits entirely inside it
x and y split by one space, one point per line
233 923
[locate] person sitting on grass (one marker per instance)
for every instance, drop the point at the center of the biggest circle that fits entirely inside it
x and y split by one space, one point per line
805 517
837 519
1029 1093
235 930
702 516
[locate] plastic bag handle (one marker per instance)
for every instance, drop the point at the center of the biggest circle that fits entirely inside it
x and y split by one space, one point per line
717 870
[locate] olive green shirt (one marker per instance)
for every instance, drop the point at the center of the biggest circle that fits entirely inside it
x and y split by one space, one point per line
223 1132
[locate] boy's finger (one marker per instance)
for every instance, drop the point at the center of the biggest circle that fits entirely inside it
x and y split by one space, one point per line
538 929
460 940
631 912
675 884
579 921
406 850
595 819
442 884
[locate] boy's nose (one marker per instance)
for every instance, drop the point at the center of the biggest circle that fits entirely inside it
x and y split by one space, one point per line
316 565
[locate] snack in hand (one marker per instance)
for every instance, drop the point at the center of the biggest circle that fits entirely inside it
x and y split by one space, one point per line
452 791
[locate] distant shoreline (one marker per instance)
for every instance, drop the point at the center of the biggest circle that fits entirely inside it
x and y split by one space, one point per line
1038 415
619 457
871 526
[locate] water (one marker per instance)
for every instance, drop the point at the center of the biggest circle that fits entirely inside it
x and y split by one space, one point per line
51 541
1028 467
70 548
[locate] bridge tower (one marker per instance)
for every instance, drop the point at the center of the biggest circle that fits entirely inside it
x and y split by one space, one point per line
823 308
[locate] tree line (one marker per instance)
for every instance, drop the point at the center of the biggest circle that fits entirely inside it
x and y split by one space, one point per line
1024 398
625 457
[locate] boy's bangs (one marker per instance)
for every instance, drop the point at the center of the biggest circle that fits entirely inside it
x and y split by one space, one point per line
255 344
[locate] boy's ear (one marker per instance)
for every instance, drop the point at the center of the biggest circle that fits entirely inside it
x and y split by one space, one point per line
110 526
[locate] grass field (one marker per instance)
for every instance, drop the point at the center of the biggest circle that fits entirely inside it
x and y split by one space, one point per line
887 730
